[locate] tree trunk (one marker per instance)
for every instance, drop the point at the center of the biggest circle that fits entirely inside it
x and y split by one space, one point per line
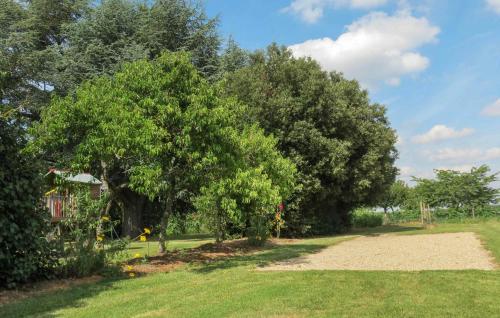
164 222
220 233
473 213
132 205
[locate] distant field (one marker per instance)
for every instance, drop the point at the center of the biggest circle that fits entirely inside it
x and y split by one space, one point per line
231 287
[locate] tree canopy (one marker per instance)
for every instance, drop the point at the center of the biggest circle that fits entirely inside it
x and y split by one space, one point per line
341 143
53 46
157 131
397 196
460 191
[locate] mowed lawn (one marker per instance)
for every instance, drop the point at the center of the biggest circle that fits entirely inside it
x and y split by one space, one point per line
233 288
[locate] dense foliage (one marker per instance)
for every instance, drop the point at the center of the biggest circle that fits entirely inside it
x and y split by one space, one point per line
54 45
341 143
397 196
459 191
25 253
363 217
158 132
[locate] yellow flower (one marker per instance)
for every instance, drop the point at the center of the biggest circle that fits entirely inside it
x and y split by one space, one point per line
100 238
137 255
142 238
131 274
129 268
105 218
147 231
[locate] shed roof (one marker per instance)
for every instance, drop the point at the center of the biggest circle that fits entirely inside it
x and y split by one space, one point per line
86 178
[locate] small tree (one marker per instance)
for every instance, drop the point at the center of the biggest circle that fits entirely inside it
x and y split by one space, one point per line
396 196
459 191
250 191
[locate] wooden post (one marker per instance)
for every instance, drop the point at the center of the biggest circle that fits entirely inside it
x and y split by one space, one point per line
422 212
429 217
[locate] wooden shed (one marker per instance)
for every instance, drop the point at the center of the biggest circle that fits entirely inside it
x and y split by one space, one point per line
59 198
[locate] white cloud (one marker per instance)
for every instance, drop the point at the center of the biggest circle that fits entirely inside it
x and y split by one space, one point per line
455 154
465 154
493 109
377 47
494 5
492 153
441 132
406 171
312 10
460 168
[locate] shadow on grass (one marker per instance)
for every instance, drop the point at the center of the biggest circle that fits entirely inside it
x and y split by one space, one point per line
267 255
47 304
275 253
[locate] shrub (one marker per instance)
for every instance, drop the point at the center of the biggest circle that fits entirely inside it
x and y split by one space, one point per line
84 235
25 252
365 218
259 230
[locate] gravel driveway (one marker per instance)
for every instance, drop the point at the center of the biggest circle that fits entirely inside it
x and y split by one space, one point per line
450 251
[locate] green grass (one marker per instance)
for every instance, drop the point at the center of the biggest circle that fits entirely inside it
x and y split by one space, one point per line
175 243
232 288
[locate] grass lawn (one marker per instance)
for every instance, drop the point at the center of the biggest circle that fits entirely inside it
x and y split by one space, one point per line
175 243
232 288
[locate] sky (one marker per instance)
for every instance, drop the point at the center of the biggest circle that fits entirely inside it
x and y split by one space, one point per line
435 65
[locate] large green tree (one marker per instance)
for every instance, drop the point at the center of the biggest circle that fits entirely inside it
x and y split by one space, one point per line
156 131
118 31
30 31
341 143
51 46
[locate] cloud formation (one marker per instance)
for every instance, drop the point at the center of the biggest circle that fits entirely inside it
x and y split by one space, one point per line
460 168
441 132
376 48
465 154
492 110
494 5
312 10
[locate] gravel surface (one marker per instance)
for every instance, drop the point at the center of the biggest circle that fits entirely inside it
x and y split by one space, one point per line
449 251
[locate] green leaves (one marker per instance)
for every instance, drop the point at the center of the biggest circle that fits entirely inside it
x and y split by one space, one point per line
162 130
341 143
461 191
25 253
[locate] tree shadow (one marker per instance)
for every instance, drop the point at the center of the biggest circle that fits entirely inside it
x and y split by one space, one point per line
47 303
271 253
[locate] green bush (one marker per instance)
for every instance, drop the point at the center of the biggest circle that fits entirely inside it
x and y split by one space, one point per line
259 230
85 233
444 215
25 252
365 218
186 224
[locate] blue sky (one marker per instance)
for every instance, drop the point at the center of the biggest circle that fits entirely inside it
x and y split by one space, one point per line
435 64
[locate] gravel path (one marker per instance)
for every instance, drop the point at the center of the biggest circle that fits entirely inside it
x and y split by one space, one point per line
452 251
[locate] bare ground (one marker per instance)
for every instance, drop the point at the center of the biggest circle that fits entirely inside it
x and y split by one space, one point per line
449 251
